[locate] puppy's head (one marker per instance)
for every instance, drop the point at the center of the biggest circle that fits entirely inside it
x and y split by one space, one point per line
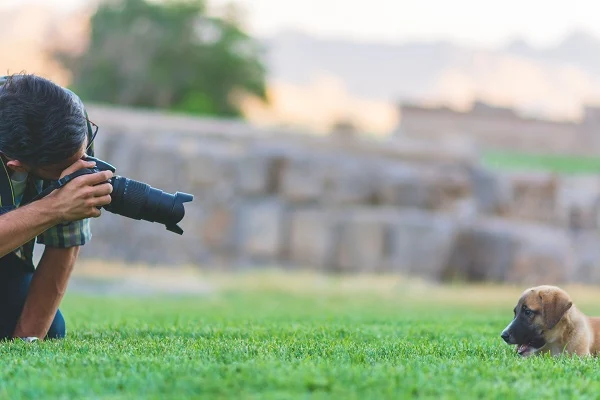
538 311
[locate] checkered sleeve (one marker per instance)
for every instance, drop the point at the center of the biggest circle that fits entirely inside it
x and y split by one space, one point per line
70 234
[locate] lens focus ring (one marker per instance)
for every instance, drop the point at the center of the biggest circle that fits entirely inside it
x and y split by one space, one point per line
133 197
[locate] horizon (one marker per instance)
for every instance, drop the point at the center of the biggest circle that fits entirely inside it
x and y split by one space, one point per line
433 40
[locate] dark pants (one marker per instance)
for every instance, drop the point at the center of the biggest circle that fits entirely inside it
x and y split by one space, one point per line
15 278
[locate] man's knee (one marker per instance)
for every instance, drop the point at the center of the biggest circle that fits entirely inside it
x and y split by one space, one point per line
58 329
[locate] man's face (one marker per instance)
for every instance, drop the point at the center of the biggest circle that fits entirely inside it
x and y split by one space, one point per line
54 171
49 172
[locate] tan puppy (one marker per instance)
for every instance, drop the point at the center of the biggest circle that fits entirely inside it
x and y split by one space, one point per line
547 321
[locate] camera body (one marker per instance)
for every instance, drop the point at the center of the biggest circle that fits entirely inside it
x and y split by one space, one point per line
100 165
138 200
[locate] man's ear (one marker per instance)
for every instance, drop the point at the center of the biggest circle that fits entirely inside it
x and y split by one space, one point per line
16 166
555 304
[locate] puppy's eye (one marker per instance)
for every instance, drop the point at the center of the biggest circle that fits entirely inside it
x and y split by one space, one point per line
528 313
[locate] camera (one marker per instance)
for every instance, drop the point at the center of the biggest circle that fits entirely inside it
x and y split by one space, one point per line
138 200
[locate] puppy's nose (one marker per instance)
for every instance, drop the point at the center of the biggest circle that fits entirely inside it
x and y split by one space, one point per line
505 335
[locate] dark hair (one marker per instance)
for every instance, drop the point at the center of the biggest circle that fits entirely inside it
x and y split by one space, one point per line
40 122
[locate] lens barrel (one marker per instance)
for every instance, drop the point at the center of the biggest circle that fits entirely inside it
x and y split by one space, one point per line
138 200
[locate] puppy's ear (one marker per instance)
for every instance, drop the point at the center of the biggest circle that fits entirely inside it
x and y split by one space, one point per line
554 304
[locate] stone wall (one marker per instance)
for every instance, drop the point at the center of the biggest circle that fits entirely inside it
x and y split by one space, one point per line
501 129
342 205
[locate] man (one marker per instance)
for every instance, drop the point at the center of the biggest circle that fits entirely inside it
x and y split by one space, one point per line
44 133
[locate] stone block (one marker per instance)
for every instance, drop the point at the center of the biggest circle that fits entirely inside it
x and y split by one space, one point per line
210 172
162 168
152 244
533 196
587 250
484 251
497 250
302 179
111 237
491 191
401 185
420 243
123 152
447 187
261 230
217 228
348 182
313 237
428 188
268 161
362 240
545 256
254 175
578 203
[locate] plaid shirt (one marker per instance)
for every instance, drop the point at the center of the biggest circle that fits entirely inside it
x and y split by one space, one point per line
70 234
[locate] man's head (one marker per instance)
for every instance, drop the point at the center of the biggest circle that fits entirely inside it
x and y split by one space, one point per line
43 129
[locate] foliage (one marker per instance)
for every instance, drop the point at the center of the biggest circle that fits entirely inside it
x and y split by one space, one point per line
563 164
167 55
268 345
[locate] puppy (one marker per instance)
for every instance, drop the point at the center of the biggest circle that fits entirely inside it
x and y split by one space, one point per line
547 321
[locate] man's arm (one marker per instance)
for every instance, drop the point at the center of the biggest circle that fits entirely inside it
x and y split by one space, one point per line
57 212
77 200
25 223
46 291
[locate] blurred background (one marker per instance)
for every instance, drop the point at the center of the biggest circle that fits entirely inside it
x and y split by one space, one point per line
441 141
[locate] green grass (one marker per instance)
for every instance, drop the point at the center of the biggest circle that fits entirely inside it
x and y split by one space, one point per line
264 344
539 162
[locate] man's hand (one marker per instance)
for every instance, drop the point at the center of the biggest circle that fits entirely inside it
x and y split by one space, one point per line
82 197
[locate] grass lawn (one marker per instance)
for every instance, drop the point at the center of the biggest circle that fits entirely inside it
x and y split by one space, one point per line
294 337
540 162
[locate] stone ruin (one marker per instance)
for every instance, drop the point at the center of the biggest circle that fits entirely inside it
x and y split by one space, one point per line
499 128
343 205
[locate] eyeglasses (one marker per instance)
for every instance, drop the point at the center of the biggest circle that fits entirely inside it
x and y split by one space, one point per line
95 127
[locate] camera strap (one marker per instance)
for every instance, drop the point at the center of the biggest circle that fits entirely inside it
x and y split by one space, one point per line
60 183
7 196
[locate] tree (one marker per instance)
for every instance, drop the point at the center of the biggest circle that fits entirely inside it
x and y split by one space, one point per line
170 55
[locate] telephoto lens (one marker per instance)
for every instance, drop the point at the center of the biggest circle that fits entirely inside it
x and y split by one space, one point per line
138 200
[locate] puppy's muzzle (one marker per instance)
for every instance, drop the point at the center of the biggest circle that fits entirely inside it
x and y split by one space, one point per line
506 334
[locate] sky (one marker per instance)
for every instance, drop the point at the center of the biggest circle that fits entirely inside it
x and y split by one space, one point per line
474 22
479 22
